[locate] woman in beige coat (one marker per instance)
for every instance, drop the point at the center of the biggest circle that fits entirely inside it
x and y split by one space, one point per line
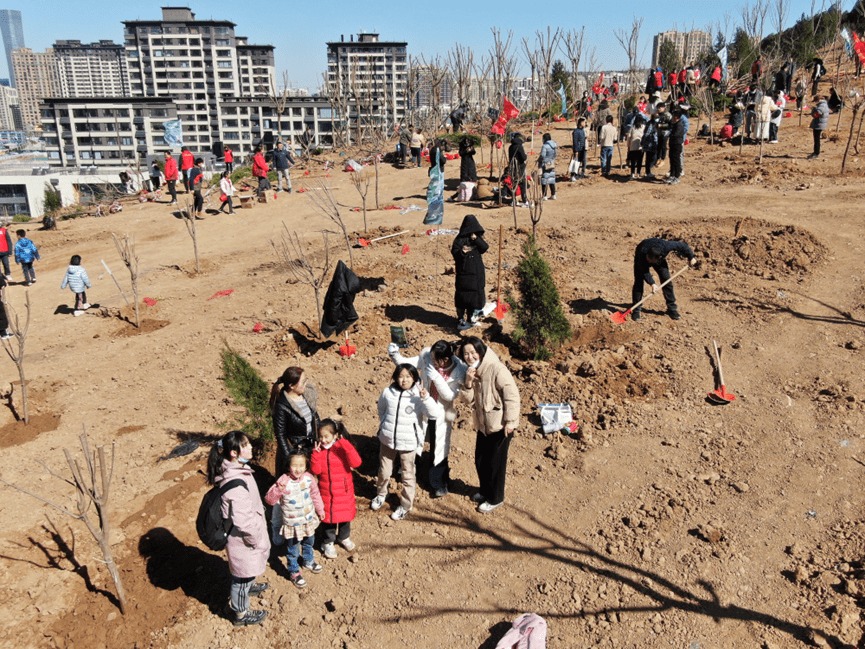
495 400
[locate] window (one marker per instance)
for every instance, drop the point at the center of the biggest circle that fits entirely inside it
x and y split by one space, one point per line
222 42
231 136
223 64
226 85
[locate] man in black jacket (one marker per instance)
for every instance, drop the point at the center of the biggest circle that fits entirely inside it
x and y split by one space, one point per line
517 165
665 121
652 253
677 146
282 160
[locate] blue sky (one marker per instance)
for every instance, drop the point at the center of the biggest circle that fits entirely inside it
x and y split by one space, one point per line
299 31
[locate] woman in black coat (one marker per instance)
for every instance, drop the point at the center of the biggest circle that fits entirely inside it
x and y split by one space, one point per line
517 166
471 279
294 405
468 170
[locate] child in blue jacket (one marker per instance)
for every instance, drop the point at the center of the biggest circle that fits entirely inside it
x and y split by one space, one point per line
76 279
25 253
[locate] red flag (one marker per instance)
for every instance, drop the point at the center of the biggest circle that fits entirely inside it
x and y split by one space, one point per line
510 111
405 249
859 47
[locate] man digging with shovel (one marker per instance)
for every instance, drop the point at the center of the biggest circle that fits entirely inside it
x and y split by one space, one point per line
652 253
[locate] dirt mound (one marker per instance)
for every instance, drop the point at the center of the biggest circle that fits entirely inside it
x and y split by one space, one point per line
750 246
18 432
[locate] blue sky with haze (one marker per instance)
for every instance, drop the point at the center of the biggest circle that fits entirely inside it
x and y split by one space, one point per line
299 31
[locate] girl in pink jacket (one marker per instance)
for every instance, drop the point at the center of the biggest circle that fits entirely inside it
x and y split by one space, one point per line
248 542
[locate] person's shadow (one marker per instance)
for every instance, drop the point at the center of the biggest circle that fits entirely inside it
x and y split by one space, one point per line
171 565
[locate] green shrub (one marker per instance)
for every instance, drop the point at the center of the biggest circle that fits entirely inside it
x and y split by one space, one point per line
456 138
317 151
52 199
21 218
239 174
249 391
541 322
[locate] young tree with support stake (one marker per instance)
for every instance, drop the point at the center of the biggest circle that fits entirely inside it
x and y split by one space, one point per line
19 333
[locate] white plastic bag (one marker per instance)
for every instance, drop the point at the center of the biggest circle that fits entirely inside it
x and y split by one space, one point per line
574 167
555 416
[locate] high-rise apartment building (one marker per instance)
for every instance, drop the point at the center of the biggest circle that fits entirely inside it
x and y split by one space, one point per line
13 35
10 111
689 45
36 77
198 64
94 70
373 74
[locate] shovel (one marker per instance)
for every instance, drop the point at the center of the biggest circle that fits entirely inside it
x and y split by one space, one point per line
621 316
364 243
720 395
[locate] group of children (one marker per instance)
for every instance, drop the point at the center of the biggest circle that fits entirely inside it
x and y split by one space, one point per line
317 491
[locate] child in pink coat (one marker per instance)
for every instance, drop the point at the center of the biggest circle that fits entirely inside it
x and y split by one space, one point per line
302 510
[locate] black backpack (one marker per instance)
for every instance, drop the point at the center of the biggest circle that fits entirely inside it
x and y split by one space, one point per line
212 528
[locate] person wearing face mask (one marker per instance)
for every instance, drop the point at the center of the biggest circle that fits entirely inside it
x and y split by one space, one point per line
248 546
467 250
441 373
491 391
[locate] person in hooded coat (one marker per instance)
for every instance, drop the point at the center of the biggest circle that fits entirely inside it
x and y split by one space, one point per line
547 164
471 280
517 165
339 310
468 170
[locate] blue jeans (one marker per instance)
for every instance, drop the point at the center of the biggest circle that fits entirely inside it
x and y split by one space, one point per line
606 159
295 548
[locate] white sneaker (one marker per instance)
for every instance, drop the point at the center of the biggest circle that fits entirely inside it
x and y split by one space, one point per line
8 278
486 508
85 306
5 335
348 544
328 550
376 503
400 513
546 198
552 198
77 313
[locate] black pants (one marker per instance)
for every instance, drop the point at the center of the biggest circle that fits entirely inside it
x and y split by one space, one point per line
80 300
4 258
227 201
186 179
4 321
333 532
229 167
581 157
491 463
635 161
773 132
199 201
662 147
676 150
650 160
263 185
172 189
663 271
817 134
403 151
154 180
552 187
439 474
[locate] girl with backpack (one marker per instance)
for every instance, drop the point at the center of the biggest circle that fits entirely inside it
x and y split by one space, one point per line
302 510
332 461
401 408
248 544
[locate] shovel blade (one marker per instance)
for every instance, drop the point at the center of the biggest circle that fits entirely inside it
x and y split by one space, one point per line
363 243
620 317
721 396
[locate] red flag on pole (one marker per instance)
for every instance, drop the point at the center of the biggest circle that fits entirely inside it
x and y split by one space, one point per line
510 111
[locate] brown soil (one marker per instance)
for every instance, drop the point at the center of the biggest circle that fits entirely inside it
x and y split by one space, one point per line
663 521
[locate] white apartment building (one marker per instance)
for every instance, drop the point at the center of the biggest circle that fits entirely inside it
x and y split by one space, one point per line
104 131
10 110
198 64
689 45
373 74
36 76
92 70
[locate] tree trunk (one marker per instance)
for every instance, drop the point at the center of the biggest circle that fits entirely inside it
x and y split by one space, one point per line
375 159
135 298
850 137
195 248
365 226
858 133
20 364
318 308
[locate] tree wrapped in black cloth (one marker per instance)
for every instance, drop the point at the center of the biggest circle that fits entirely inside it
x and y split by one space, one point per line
339 310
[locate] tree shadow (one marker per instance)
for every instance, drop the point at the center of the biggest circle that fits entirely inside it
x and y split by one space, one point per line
842 318
309 346
584 307
54 556
415 313
171 564
551 544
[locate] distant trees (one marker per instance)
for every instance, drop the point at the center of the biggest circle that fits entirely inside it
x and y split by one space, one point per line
668 57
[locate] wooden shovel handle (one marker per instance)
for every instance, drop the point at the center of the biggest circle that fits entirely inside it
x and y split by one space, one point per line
672 277
718 361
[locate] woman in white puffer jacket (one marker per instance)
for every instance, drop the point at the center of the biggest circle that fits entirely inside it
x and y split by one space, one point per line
401 409
442 373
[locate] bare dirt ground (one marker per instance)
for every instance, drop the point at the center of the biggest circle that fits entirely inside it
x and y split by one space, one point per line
665 522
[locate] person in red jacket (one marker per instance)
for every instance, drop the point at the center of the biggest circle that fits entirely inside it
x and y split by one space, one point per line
259 170
715 81
683 81
171 176
756 71
187 162
229 159
332 461
5 250
673 80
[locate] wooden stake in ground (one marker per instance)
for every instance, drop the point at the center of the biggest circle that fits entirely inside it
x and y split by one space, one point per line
92 488
126 248
20 334
499 283
115 281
